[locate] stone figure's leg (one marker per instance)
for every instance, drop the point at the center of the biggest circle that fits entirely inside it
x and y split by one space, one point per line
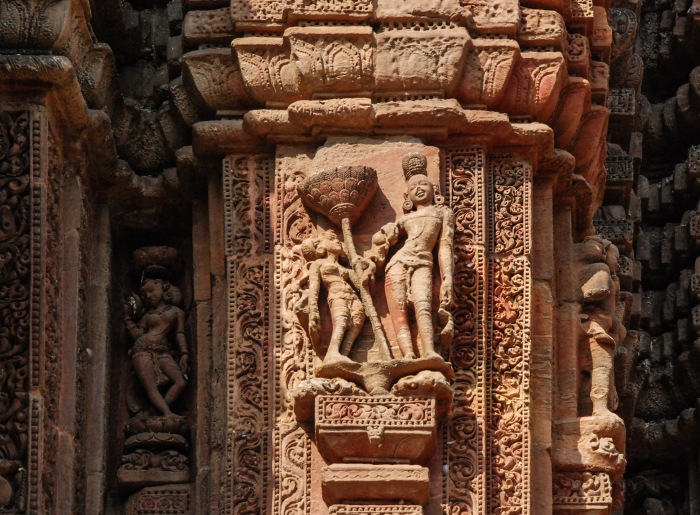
340 314
144 368
422 297
602 346
357 321
172 371
396 285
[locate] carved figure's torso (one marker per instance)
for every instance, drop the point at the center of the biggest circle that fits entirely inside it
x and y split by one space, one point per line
157 326
335 277
422 229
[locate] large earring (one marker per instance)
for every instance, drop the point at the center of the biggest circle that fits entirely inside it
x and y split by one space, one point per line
407 204
439 199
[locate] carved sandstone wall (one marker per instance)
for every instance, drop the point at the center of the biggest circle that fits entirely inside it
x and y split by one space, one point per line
450 349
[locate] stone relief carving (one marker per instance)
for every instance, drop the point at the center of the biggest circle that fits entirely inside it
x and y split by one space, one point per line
381 386
342 195
277 298
593 443
600 288
347 312
157 443
15 287
246 186
161 324
586 488
409 272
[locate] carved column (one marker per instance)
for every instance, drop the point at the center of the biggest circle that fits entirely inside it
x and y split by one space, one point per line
512 130
43 325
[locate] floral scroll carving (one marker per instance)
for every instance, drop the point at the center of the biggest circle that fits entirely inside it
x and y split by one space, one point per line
509 320
15 305
466 483
248 234
27 314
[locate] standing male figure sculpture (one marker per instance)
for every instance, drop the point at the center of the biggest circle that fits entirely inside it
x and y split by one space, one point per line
322 253
409 273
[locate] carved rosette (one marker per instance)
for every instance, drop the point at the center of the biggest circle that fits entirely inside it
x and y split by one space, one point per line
582 491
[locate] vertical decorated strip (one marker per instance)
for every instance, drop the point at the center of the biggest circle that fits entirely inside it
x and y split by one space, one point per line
510 284
292 461
22 281
465 429
245 185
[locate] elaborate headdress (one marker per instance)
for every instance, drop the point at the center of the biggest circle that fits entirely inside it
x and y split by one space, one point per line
414 163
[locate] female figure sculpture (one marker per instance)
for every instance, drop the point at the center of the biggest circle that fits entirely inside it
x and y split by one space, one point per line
409 272
152 354
347 312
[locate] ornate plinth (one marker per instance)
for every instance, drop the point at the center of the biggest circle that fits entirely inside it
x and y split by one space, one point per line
384 483
159 500
379 428
155 453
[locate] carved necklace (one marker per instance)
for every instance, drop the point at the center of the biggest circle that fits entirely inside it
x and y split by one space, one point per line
160 310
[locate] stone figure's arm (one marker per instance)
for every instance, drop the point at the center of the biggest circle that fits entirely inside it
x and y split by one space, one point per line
181 341
382 241
135 330
180 338
446 257
314 293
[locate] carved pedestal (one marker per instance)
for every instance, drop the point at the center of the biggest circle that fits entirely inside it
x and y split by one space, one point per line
375 483
155 453
378 428
374 444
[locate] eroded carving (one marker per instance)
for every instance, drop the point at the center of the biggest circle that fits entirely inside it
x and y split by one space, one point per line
161 324
342 194
154 453
599 290
595 441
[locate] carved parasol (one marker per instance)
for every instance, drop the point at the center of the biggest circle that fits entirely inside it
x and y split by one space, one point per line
342 195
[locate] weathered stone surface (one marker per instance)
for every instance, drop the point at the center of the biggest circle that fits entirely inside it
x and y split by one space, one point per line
377 427
385 215
214 79
420 60
375 482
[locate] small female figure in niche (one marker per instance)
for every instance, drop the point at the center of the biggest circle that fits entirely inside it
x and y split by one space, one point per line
409 272
347 312
152 354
